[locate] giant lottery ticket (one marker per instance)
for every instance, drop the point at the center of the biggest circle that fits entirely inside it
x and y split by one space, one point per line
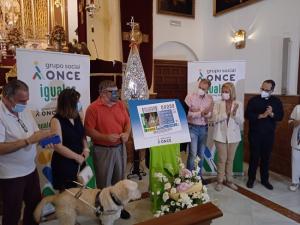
158 119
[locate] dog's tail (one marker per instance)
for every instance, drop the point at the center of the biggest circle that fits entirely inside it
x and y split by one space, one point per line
38 210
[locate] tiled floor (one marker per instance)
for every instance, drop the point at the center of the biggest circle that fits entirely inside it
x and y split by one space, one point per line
238 209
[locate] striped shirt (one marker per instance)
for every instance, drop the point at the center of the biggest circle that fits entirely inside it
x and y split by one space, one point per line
196 105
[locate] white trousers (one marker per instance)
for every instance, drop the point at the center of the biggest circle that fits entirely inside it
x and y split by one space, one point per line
295 165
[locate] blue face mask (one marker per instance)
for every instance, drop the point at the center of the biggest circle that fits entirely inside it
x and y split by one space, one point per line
18 108
114 96
78 107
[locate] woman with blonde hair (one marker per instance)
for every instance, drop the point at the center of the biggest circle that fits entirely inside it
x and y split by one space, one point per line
228 118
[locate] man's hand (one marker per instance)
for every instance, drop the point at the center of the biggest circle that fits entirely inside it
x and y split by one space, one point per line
39 135
270 110
124 137
205 111
113 137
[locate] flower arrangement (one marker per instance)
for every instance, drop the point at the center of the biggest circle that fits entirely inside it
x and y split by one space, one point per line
14 37
58 34
182 191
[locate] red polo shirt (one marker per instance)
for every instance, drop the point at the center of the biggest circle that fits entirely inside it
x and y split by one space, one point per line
107 119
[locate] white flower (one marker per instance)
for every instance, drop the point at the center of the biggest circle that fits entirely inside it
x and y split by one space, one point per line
205 198
189 206
165 196
177 181
165 208
157 214
204 188
152 193
172 203
158 192
167 186
173 190
185 199
164 179
158 175
196 195
181 165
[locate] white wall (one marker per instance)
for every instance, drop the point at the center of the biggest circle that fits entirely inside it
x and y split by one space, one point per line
266 23
72 20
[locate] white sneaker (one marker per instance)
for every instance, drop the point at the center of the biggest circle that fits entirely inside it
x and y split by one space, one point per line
294 187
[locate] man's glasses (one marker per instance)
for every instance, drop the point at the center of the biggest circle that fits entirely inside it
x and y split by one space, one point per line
22 124
266 90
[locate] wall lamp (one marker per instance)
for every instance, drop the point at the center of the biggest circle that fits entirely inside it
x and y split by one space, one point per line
239 39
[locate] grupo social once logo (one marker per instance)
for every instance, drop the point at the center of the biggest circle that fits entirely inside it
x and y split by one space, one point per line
37 73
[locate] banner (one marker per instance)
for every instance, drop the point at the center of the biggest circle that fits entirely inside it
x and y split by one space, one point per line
158 122
218 72
47 74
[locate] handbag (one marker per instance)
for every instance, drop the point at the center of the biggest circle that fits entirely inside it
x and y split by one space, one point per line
85 175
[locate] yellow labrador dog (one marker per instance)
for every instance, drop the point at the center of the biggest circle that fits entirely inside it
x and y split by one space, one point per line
106 204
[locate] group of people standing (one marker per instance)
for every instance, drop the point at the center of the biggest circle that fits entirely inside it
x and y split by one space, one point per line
106 122
227 116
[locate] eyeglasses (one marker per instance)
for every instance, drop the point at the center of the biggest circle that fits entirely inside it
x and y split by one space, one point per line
266 90
22 124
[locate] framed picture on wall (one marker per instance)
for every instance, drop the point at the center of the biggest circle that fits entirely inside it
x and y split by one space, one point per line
185 8
224 6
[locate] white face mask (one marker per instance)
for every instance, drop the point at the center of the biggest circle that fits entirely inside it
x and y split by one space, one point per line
225 96
265 94
201 92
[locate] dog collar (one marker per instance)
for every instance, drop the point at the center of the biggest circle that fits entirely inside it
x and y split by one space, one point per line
115 199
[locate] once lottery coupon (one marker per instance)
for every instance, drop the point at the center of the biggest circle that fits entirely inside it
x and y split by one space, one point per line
159 118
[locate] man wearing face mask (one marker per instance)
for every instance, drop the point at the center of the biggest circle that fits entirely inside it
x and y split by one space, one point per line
19 180
200 109
263 111
107 123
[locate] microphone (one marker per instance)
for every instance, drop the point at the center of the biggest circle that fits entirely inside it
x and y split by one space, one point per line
95 48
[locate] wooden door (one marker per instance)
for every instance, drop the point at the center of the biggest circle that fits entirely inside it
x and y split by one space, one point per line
170 79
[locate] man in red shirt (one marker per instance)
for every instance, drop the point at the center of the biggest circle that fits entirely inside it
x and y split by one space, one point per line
107 123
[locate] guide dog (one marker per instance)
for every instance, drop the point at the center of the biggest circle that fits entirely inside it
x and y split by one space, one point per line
106 204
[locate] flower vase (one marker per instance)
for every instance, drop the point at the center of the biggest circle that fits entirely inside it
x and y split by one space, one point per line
58 46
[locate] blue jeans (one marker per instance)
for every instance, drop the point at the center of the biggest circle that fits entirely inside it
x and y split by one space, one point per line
197 146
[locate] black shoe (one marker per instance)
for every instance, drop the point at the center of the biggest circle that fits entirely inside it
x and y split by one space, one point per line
250 184
204 182
267 185
124 214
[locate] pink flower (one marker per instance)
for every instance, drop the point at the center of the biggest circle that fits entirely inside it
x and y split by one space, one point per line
185 173
183 187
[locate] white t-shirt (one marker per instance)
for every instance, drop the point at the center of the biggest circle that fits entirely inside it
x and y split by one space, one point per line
295 140
21 162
